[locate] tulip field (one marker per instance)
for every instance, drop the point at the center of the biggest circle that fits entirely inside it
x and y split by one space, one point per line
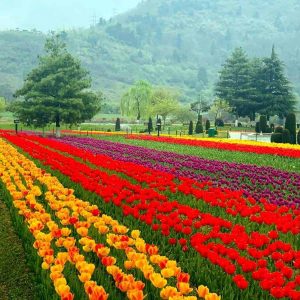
101 219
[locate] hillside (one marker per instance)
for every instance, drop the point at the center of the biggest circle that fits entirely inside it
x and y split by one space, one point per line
179 43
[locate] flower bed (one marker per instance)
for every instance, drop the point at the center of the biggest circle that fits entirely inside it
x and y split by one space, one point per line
270 258
67 231
293 152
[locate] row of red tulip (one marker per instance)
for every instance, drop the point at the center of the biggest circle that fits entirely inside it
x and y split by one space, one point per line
233 202
259 149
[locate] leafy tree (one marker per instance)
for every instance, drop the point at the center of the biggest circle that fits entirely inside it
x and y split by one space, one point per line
164 102
234 84
136 101
184 114
200 106
2 104
219 106
274 88
57 90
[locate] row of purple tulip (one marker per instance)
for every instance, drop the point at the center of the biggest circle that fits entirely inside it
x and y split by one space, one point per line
278 187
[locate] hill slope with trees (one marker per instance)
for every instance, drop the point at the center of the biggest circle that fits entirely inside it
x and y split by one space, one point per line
177 43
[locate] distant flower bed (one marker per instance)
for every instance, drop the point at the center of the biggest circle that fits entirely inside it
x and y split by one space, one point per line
292 151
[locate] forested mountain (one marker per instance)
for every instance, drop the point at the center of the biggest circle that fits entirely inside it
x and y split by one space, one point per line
178 43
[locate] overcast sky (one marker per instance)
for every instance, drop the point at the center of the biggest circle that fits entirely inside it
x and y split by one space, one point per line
48 15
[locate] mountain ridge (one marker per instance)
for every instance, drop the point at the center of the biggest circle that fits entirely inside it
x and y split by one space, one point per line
178 43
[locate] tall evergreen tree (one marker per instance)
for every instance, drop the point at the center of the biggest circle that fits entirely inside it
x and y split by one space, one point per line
57 90
234 83
274 88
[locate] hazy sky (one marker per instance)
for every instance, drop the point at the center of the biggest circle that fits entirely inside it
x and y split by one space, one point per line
47 15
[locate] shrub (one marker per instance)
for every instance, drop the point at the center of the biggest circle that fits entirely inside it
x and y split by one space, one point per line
272 127
298 137
276 138
219 123
286 136
199 127
290 124
150 125
191 128
207 125
240 124
263 123
257 127
268 130
143 130
279 129
118 125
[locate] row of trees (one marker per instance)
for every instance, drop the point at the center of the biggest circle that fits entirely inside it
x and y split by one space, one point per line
255 85
142 101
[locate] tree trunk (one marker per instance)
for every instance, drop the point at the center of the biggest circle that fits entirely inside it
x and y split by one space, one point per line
57 124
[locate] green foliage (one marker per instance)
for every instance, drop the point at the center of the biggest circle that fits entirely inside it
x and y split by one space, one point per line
290 124
164 102
257 127
207 125
286 137
2 104
200 106
199 127
184 114
118 125
276 138
298 137
150 125
255 86
234 83
57 90
274 88
263 123
191 128
279 129
136 101
219 123
219 106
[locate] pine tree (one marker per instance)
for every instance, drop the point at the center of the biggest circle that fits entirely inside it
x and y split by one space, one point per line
118 125
234 83
191 128
290 124
56 90
150 125
274 88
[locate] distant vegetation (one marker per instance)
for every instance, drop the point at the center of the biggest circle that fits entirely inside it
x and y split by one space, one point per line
176 43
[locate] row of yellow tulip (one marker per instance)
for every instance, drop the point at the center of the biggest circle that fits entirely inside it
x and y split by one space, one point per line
189 137
60 223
